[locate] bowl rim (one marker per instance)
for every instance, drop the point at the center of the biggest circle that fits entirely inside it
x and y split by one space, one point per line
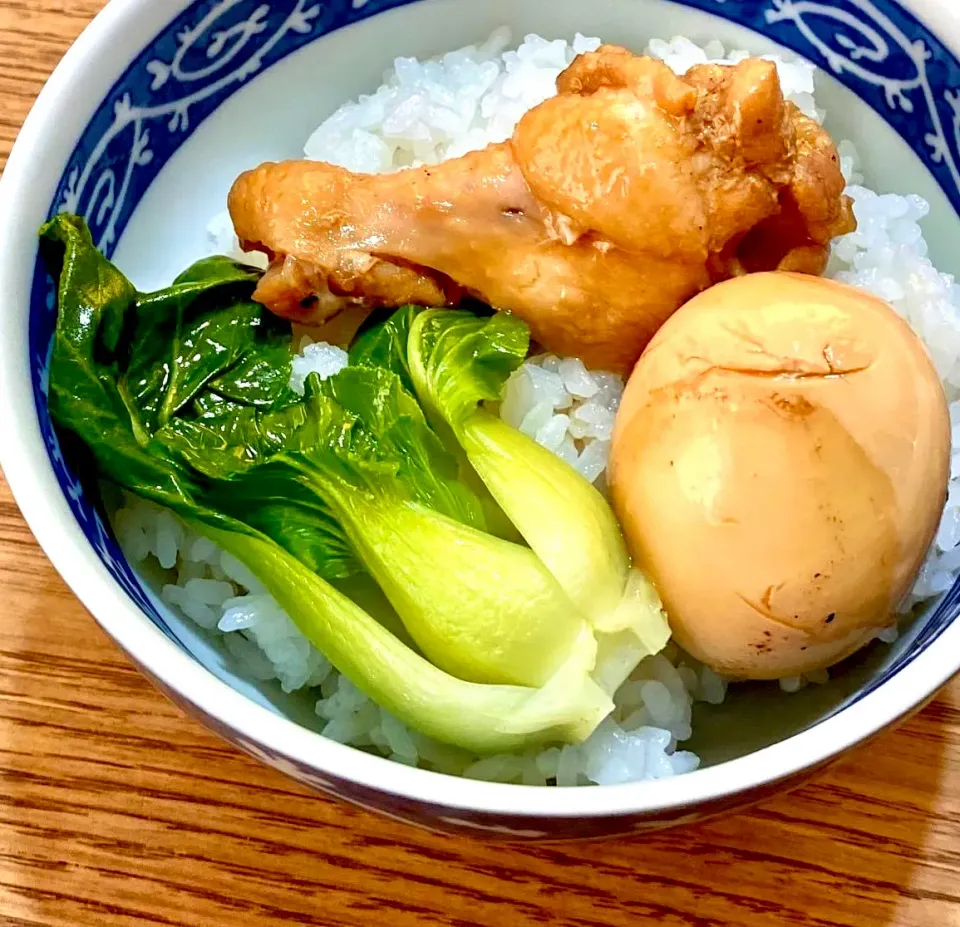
78 85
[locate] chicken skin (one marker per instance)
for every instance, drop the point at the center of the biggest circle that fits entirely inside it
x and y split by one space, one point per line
613 203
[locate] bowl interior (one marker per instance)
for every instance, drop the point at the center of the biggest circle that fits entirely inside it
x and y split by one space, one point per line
162 228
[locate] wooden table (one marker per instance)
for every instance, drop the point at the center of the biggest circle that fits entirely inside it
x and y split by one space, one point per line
117 810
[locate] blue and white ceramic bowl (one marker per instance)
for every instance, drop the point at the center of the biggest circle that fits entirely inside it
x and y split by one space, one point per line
142 128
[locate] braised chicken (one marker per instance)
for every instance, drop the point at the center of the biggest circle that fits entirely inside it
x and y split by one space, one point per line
613 203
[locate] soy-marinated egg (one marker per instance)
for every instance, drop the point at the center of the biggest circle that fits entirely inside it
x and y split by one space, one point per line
779 465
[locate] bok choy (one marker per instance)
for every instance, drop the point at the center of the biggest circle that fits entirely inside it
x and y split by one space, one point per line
182 397
360 443
458 363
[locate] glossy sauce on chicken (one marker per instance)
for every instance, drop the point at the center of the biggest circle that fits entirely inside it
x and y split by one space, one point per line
613 203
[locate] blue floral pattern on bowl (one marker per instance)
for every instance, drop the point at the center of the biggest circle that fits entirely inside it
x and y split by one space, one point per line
876 48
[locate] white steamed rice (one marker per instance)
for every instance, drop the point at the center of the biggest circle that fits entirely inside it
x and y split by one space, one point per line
429 111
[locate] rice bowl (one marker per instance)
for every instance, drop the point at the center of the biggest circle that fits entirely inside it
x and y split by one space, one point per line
427 112
588 432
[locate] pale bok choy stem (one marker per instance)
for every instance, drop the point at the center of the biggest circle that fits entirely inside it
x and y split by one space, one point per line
481 718
479 607
458 362
571 528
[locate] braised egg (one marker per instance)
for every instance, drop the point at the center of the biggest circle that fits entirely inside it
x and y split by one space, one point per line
779 466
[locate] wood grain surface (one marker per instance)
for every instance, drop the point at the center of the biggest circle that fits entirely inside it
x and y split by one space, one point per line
117 810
